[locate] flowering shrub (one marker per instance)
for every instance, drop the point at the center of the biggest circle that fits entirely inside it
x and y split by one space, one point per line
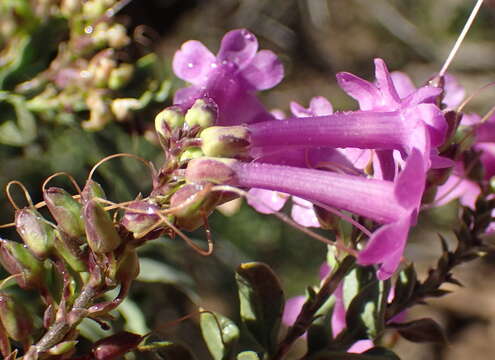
364 176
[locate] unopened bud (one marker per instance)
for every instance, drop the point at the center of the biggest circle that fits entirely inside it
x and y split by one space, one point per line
228 141
117 36
101 70
15 318
92 9
192 203
127 267
62 348
210 169
191 153
120 76
201 114
68 249
167 120
100 231
35 231
92 190
17 259
66 211
114 346
124 107
140 223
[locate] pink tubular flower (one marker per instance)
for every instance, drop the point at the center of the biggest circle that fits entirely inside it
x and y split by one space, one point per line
393 204
228 79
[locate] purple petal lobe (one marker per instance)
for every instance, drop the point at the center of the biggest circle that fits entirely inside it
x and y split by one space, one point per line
264 71
238 47
303 213
454 92
425 94
321 106
402 83
411 182
193 62
266 201
385 83
365 93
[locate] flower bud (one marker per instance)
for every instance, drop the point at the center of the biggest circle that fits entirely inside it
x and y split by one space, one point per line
92 9
114 346
228 141
123 108
99 111
117 36
100 231
209 169
137 222
120 76
15 318
35 231
17 259
197 202
66 211
191 153
68 249
201 114
62 348
92 190
127 267
167 120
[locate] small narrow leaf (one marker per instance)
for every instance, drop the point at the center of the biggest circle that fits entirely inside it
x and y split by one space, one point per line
220 335
168 350
422 330
248 355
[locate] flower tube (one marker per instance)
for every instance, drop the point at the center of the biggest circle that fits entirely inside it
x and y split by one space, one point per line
393 204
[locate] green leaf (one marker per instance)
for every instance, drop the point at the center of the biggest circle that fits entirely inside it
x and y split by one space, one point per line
405 284
320 331
261 302
168 350
134 317
155 271
365 315
421 330
248 355
220 334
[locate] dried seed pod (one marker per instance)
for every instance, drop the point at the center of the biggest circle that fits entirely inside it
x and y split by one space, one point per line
17 259
92 190
15 318
37 233
100 231
140 223
69 250
66 211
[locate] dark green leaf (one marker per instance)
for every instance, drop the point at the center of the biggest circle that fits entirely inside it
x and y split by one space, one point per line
422 330
261 301
220 335
320 331
372 354
168 350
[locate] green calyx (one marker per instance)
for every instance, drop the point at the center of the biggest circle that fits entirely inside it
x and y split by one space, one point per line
227 141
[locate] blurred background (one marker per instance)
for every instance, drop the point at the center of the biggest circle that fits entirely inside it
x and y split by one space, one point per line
55 120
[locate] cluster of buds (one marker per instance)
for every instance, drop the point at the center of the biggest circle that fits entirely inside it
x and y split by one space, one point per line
71 261
88 81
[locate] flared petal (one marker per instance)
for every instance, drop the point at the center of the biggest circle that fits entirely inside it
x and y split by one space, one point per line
193 62
303 213
364 92
238 47
266 201
385 84
264 71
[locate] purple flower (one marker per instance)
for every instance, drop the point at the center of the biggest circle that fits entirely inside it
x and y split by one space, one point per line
393 204
230 78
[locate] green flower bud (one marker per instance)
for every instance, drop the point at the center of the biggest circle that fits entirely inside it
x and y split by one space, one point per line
201 114
92 190
66 211
100 231
167 120
35 231
99 111
228 141
62 348
200 202
71 252
210 169
17 259
117 36
15 318
191 153
120 76
92 9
